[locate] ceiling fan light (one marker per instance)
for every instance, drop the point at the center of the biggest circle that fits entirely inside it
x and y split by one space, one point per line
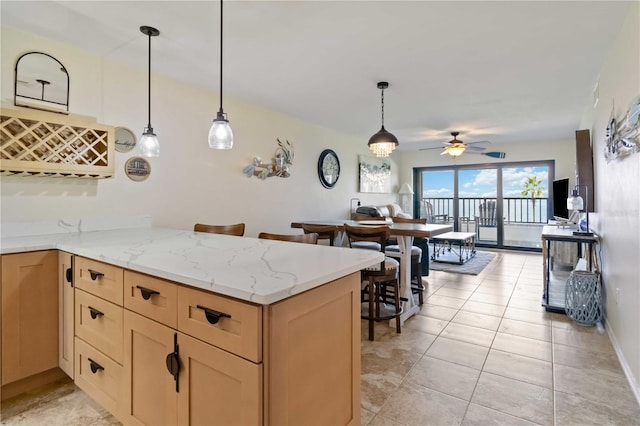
455 150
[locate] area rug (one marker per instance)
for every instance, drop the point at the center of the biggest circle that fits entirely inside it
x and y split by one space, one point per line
471 267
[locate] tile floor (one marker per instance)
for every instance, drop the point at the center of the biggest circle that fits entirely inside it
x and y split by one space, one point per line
482 351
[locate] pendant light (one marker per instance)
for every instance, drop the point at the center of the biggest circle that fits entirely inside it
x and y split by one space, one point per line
149 145
220 133
383 142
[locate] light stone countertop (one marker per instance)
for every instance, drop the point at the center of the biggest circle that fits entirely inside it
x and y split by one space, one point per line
251 269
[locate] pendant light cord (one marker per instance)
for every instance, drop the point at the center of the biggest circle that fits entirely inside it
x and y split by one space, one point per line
383 108
220 57
149 98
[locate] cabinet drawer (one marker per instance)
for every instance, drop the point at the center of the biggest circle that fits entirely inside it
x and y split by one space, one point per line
99 376
151 297
240 333
99 323
99 279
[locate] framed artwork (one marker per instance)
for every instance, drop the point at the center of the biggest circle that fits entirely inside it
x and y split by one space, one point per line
375 174
137 169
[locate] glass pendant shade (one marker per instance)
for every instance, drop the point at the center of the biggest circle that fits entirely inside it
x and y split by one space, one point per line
149 145
220 134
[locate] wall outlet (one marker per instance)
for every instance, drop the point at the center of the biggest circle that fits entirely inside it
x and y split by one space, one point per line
617 295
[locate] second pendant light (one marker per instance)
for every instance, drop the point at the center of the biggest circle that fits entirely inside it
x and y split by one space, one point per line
149 145
220 133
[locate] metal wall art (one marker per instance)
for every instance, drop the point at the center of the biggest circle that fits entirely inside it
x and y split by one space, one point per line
279 165
41 82
622 135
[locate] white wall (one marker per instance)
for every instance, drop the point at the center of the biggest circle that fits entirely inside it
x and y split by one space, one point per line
617 188
189 182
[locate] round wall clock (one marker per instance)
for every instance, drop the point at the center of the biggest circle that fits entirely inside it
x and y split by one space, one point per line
328 168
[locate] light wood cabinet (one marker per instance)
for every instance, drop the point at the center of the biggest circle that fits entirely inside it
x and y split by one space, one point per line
220 388
29 314
150 390
65 313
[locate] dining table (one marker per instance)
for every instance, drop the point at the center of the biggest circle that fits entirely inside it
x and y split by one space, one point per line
404 233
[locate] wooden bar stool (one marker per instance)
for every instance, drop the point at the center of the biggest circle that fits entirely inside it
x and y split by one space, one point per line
296 238
325 232
237 229
382 279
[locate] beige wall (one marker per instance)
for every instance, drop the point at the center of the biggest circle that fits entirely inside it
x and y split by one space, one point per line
617 189
189 182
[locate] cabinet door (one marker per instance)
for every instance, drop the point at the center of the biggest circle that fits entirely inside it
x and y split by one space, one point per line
29 314
314 356
65 313
217 388
150 391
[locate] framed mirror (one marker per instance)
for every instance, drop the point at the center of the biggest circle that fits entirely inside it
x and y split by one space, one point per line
41 82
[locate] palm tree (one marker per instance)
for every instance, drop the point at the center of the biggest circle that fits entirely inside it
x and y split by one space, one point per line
532 188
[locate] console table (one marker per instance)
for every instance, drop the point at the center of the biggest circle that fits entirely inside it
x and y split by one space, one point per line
555 280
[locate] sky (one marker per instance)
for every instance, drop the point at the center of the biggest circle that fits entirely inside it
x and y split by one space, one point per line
482 183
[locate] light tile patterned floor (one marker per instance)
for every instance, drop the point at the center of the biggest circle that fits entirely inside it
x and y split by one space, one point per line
483 351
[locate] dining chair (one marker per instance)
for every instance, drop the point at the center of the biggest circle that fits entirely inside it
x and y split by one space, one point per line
419 256
237 229
382 280
296 238
325 232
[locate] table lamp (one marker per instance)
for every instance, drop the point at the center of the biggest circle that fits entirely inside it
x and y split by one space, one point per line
405 194
575 202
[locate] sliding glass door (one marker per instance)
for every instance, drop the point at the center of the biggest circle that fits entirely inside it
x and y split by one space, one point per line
504 204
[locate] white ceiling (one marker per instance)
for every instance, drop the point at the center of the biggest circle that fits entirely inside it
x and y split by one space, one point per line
508 72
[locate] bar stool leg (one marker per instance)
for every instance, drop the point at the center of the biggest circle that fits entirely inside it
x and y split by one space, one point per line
396 287
371 300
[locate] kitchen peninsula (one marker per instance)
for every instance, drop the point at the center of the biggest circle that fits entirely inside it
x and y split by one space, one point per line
177 327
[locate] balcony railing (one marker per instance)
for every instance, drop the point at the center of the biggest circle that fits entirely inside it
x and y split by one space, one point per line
514 210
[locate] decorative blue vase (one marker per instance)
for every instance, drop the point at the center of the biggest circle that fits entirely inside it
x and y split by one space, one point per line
582 225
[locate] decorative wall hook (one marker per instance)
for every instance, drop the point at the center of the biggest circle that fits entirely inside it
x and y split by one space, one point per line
279 165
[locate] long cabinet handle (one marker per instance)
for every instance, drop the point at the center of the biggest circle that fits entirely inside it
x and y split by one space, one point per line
94 312
213 316
95 274
95 367
68 274
146 292
173 362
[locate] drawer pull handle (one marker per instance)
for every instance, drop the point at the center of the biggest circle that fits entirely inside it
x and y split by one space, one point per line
95 274
212 316
95 367
94 312
146 292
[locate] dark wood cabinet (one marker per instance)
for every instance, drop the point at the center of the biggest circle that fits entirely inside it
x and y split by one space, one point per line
584 165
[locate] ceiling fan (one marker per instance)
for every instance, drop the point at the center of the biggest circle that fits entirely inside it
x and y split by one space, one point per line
456 147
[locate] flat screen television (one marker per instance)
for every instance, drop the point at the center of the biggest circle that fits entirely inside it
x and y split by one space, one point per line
560 195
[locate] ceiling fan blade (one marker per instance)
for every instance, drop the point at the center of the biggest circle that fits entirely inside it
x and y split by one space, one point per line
475 148
427 149
479 143
494 154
